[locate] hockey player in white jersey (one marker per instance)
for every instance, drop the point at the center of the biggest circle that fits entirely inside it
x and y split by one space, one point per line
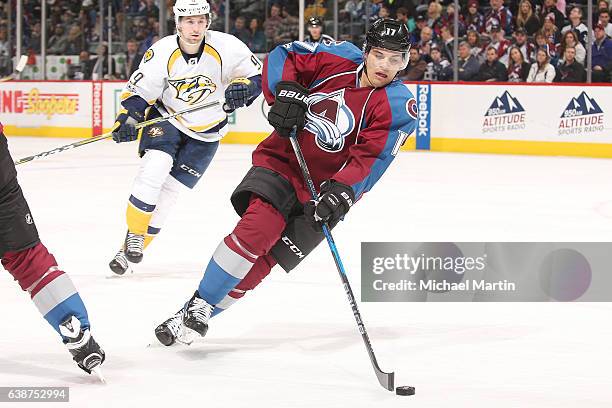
194 66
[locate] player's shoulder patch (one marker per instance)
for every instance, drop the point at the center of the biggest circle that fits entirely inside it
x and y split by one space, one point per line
411 107
401 98
148 55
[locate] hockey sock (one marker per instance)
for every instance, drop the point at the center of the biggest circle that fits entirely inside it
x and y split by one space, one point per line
51 290
138 215
229 299
258 272
150 236
259 228
228 265
168 195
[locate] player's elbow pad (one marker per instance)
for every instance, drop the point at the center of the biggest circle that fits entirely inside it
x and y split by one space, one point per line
135 107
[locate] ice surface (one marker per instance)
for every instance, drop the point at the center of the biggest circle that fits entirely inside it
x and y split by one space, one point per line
293 341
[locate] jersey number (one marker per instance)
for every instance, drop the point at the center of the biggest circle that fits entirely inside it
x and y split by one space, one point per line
256 62
136 78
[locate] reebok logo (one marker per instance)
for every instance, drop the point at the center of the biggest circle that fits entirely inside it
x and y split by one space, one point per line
297 251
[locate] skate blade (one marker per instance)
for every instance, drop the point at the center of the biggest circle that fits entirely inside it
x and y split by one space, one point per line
98 372
112 275
187 336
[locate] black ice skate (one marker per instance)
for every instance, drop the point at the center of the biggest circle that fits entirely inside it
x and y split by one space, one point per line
170 331
195 317
134 246
85 351
119 263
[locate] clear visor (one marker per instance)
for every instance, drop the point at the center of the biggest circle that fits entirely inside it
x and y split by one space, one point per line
393 60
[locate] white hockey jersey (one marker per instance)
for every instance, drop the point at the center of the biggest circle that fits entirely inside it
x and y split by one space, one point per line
169 79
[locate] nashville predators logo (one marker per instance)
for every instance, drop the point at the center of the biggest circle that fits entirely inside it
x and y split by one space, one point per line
194 89
156 131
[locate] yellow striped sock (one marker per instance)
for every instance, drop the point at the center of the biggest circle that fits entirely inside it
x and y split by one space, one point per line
137 219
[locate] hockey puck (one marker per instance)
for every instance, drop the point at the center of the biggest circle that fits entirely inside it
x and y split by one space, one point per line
405 390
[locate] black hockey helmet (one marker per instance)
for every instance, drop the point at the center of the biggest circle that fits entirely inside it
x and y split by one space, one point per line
315 21
388 34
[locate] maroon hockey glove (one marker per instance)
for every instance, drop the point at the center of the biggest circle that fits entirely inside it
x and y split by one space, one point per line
289 109
334 202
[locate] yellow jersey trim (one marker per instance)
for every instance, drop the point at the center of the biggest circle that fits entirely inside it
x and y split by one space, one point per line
210 50
173 57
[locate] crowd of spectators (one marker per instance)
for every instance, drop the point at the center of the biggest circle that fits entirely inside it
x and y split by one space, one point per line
520 41
73 28
515 40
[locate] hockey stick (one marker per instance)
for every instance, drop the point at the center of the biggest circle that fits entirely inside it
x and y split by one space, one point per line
385 379
20 66
109 134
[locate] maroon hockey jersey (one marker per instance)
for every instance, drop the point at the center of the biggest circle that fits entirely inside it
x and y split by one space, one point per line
352 133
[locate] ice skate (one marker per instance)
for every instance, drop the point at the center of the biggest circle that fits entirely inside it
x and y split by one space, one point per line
170 331
134 247
119 264
195 317
85 351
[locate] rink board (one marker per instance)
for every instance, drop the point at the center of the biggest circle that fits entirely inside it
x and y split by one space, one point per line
568 120
535 119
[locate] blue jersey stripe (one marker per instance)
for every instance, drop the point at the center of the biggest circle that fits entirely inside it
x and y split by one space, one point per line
401 124
278 56
275 65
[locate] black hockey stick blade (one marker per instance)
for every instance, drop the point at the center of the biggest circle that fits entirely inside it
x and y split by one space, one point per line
387 380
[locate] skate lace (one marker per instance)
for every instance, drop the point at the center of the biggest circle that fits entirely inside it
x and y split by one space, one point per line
200 310
134 242
121 259
174 324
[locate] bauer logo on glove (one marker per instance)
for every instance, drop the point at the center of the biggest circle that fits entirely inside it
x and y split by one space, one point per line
289 109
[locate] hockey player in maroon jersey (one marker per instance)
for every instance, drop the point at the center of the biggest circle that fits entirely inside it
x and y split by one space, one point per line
352 117
36 271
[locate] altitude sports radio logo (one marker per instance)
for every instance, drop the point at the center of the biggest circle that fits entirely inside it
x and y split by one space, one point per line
505 114
582 115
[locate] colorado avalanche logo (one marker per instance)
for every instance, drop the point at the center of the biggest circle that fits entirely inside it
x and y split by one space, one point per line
193 89
329 119
411 107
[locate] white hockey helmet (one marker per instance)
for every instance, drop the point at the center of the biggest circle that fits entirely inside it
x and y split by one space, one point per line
183 8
